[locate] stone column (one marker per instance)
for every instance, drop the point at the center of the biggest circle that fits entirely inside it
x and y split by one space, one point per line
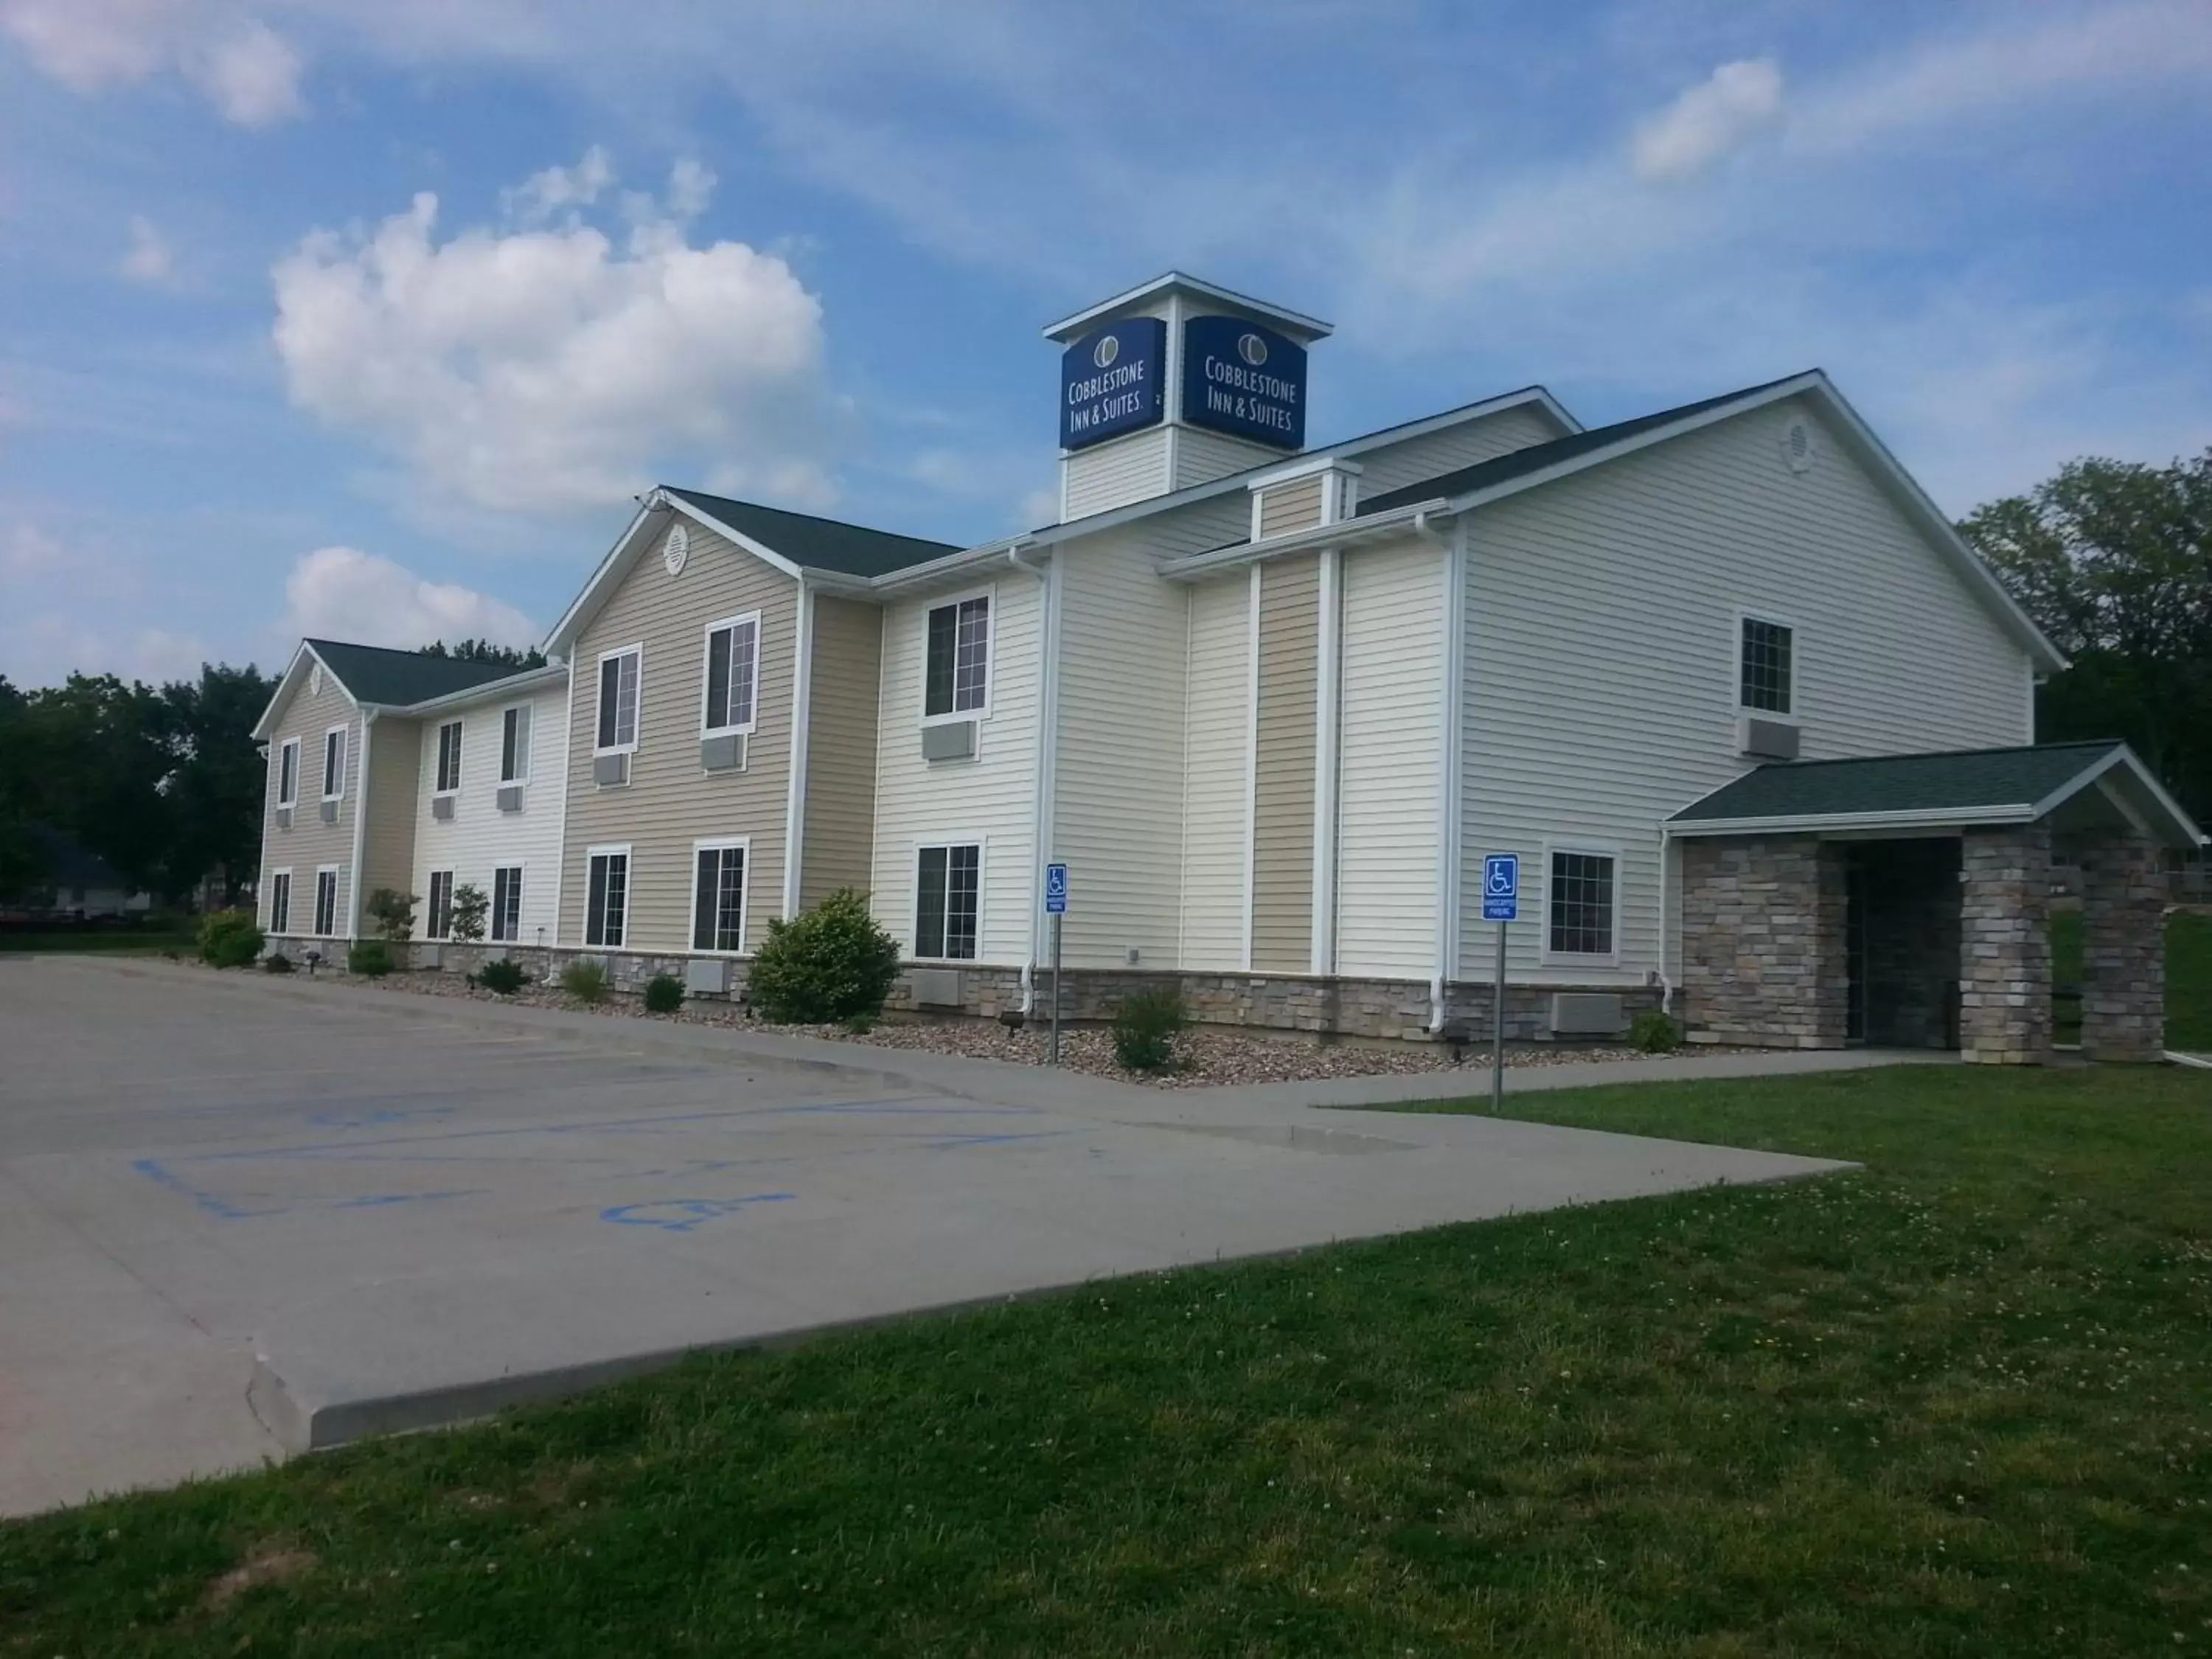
1763 958
2004 945
2123 950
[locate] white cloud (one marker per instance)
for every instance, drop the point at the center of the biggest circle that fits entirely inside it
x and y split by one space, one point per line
243 68
342 592
545 194
49 647
29 551
251 74
548 368
690 183
149 260
1719 115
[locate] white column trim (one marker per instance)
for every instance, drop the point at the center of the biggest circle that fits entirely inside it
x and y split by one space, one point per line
1327 752
794 806
360 765
1251 759
1450 765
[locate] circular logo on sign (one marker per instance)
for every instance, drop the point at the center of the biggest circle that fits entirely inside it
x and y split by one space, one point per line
1252 348
676 550
1107 348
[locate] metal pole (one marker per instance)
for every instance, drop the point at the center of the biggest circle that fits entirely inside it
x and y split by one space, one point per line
1497 1028
1052 1057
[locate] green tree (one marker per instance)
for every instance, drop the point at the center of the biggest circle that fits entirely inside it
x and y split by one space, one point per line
217 780
512 656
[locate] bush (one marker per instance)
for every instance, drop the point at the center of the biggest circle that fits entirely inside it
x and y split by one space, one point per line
504 977
393 913
1145 1029
586 981
276 962
1655 1034
664 994
466 923
228 938
826 965
371 957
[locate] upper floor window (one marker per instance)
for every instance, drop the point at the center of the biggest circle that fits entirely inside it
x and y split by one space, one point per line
287 772
732 673
620 676
1768 671
449 762
334 741
1579 900
956 679
515 745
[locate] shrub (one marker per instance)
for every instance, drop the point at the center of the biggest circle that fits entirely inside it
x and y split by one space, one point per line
228 938
371 957
393 913
466 922
276 962
586 981
1655 1034
826 965
664 994
504 977
1145 1029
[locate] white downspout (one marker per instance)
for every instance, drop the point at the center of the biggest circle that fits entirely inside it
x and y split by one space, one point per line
1048 715
1452 692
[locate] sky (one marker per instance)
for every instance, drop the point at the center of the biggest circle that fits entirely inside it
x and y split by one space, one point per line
371 320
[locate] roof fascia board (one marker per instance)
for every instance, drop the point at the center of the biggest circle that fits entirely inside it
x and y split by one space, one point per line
1345 533
528 679
587 602
1068 327
1946 818
2122 755
294 673
920 576
759 550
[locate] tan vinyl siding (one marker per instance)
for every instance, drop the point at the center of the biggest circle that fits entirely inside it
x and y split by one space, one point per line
670 802
1283 833
1292 505
1217 732
387 846
310 842
839 838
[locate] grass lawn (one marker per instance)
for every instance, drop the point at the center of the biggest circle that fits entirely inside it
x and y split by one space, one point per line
125 942
1961 1403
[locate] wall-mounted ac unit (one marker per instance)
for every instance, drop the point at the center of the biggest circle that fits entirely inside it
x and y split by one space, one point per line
723 754
934 988
510 797
707 976
949 740
441 808
1588 1013
610 771
329 811
284 818
1766 740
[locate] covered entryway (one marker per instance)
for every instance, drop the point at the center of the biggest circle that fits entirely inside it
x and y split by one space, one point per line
1901 942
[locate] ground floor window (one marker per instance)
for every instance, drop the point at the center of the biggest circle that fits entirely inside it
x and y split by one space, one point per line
718 897
440 923
948 900
507 904
606 896
280 902
326 902
1579 898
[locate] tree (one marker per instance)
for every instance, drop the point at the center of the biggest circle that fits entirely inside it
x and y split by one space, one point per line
2113 559
218 782
516 656
467 921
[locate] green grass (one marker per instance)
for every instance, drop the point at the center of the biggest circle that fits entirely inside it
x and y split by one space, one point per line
146 943
1961 1403
2188 977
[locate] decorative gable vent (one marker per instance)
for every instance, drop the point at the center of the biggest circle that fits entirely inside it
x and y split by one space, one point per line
1305 496
1798 443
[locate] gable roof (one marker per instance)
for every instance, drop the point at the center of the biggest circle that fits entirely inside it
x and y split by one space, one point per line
813 544
1951 787
393 679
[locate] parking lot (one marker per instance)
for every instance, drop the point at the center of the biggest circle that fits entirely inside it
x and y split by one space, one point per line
238 1216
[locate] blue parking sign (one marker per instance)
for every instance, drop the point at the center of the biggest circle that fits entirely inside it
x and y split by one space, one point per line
1501 887
1055 890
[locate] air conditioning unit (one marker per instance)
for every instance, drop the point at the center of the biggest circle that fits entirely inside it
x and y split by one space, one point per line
1588 1013
284 818
707 976
949 740
934 988
329 811
1766 740
510 797
610 771
441 808
723 754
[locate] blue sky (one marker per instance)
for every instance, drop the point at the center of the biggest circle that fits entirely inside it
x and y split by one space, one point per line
370 320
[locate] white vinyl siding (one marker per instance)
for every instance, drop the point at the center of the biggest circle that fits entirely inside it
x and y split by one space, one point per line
1202 456
1116 472
1391 755
1217 734
479 839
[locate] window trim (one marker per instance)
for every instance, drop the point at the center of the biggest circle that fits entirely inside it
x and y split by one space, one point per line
529 708
1545 955
706 679
1773 619
598 672
720 844
430 930
610 849
314 930
458 727
284 870
981 844
988 593
343 733
521 869
290 746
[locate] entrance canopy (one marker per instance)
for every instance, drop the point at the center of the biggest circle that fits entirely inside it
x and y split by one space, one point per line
2075 786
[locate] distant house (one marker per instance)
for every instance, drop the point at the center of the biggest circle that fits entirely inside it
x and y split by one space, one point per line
77 882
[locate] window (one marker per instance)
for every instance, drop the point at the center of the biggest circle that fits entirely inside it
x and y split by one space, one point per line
718 896
507 902
280 900
515 745
958 676
449 757
334 762
287 772
1768 672
948 893
618 696
606 896
1580 900
733 670
440 922
326 901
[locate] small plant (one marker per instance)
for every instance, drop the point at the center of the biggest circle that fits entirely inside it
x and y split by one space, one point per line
503 977
1145 1029
276 962
1654 1033
371 957
831 964
859 1026
229 938
664 994
393 913
585 981
466 921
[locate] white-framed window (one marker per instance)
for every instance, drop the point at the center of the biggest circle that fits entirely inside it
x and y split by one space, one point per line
287 772
438 919
957 668
717 896
449 757
1766 666
606 896
1582 904
731 677
622 689
948 901
334 762
327 900
514 743
280 900
507 904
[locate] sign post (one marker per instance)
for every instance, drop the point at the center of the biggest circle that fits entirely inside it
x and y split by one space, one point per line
1501 904
1055 906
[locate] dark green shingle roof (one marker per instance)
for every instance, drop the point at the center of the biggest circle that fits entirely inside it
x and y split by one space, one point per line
1958 780
395 678
818 543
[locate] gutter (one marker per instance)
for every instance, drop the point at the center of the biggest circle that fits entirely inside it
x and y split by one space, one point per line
915 575
1418 519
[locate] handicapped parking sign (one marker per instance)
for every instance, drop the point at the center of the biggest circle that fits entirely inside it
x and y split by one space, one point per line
1055 890
1501 887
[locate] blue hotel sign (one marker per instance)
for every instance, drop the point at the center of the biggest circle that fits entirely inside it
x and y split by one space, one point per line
1113 382
1244 380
